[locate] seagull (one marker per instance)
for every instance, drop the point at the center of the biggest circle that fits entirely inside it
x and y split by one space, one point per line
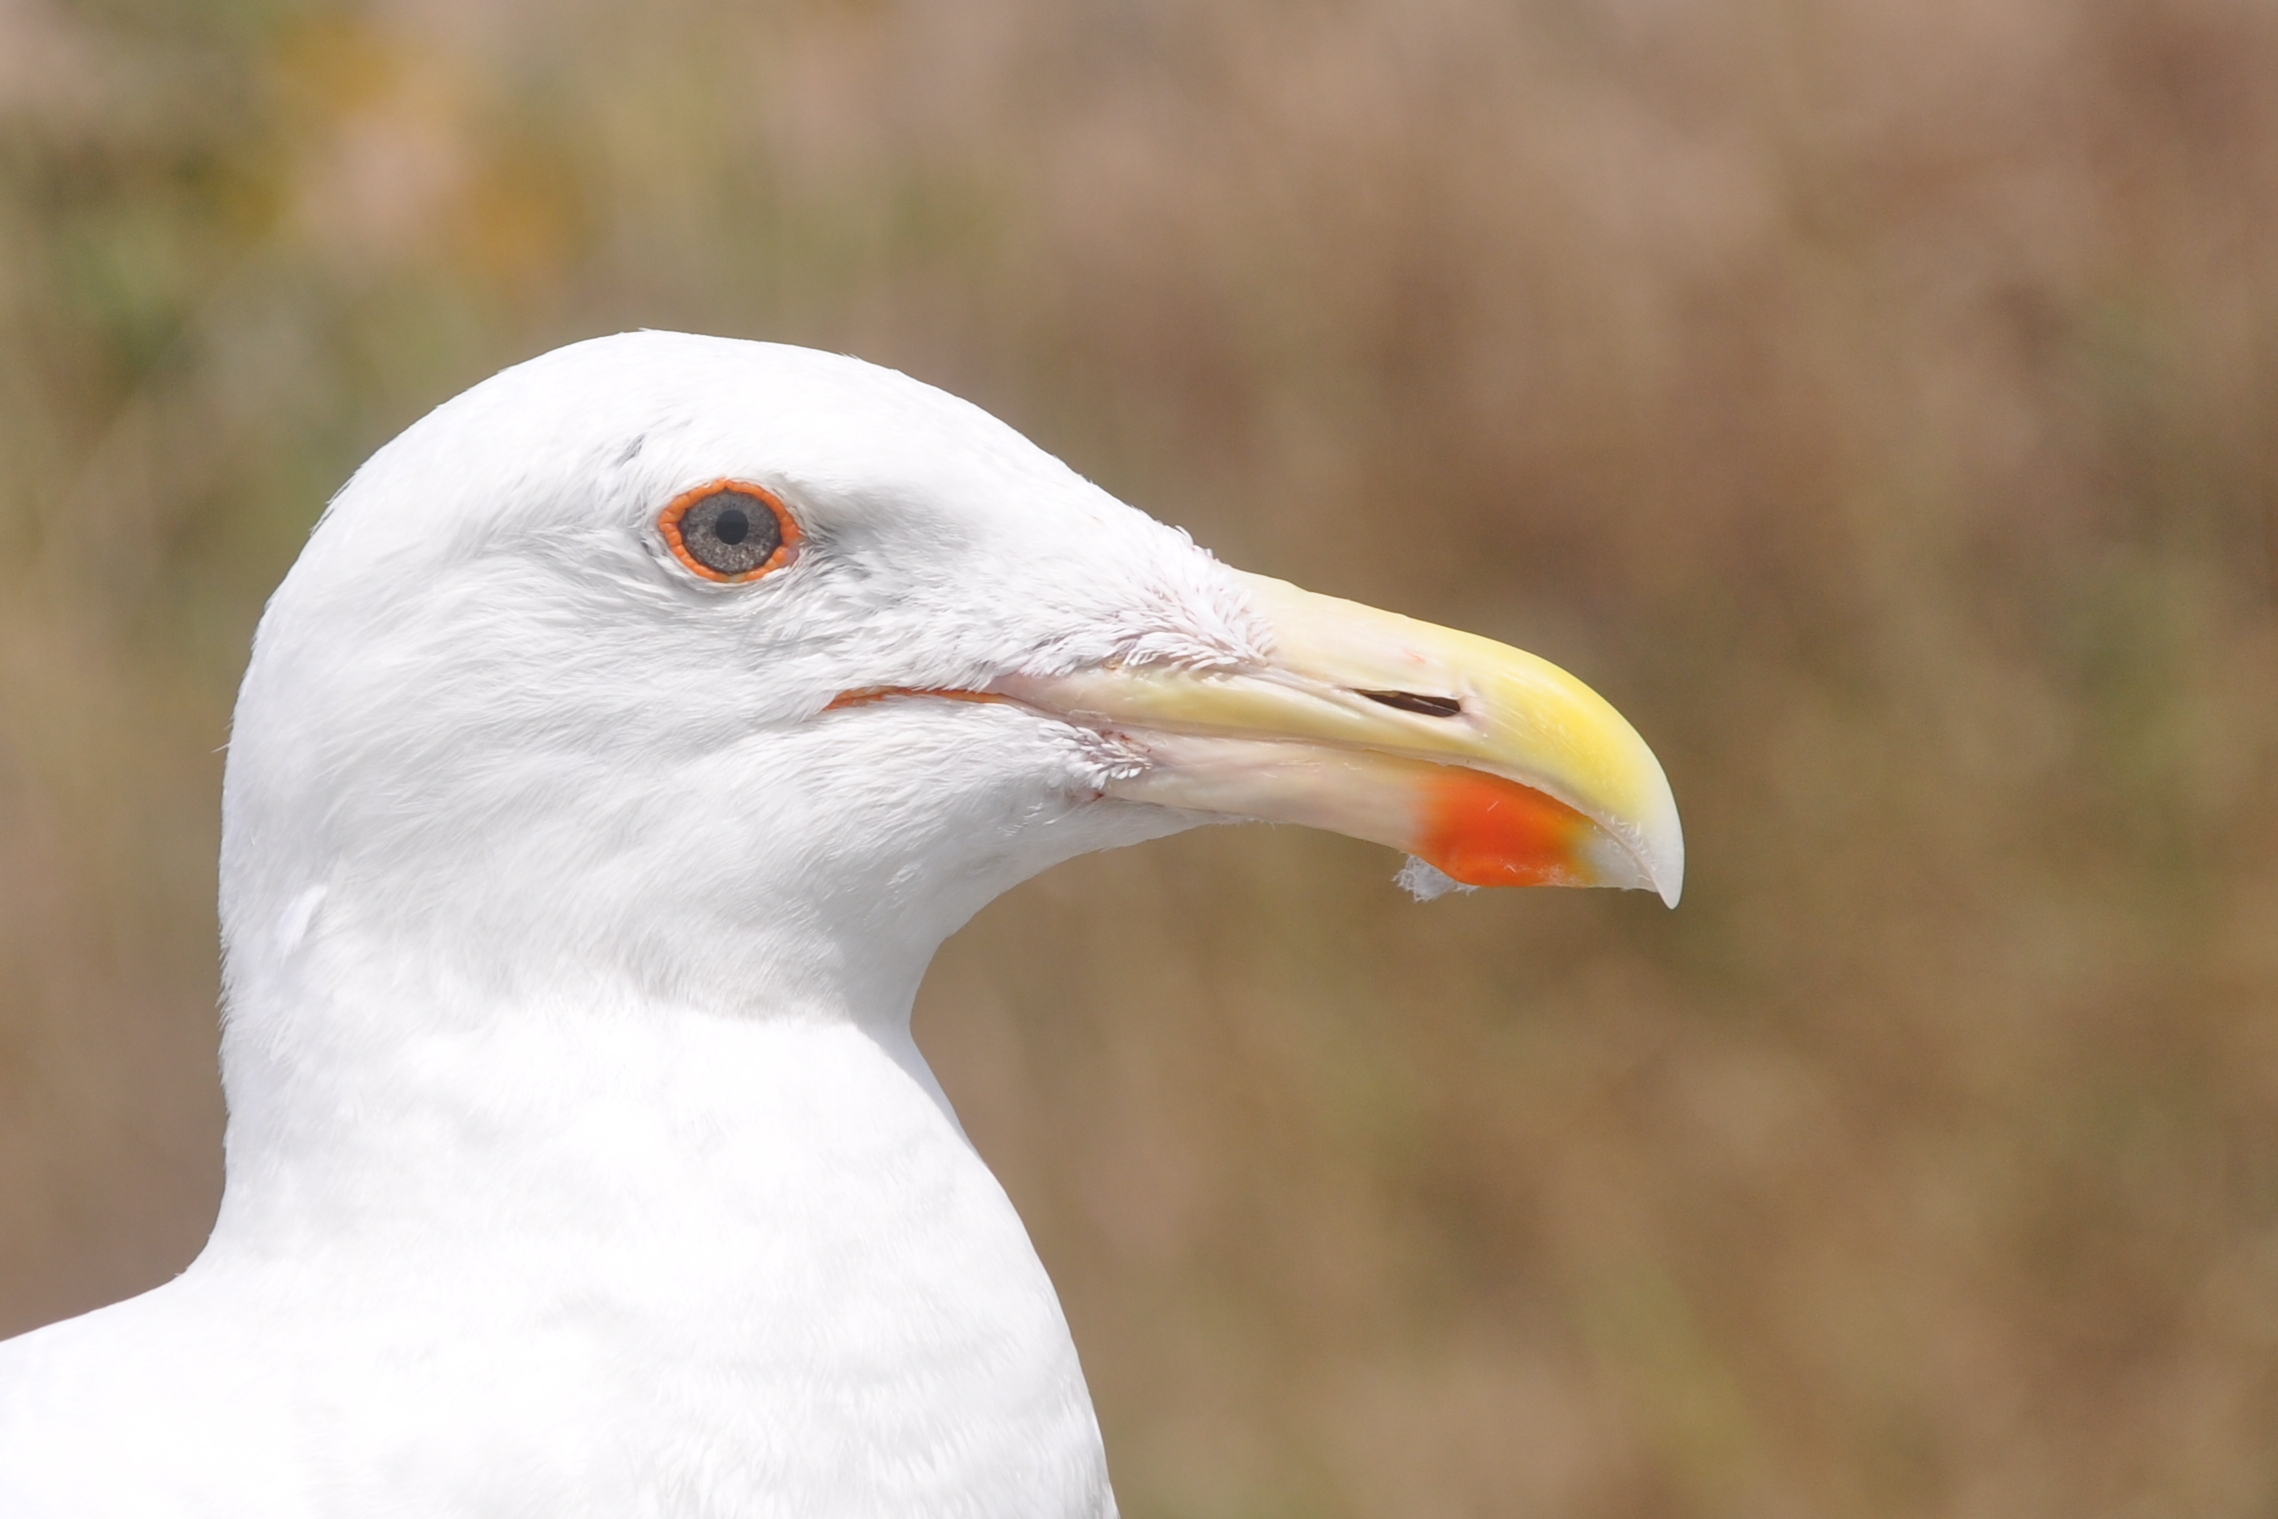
627 737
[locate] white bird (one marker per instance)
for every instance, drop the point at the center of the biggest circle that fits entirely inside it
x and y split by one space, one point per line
624 742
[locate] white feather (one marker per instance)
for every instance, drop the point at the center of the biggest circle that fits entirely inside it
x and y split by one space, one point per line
579 1159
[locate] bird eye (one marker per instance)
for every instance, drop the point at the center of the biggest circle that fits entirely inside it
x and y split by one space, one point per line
730 531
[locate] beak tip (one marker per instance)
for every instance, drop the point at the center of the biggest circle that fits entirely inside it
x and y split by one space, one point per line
1655 842
1665 852
1655 862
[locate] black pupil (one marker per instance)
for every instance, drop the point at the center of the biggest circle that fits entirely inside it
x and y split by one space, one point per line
733 526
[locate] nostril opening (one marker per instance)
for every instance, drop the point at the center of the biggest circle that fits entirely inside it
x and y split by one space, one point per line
1411 701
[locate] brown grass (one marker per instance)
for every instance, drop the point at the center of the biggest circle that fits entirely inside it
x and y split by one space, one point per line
1876 400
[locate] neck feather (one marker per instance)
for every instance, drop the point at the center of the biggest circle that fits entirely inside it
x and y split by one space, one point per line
371 1094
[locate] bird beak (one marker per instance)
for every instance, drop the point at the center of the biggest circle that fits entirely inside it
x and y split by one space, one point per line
1496 767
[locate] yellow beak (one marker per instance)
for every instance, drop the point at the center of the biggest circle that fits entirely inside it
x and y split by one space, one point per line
1496 767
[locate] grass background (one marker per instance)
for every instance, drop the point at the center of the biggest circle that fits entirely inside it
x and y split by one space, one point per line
1876 399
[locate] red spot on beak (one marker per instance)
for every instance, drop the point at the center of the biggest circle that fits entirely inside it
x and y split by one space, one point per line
1487 831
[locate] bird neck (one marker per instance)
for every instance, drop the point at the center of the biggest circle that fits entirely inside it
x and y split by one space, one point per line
407 1105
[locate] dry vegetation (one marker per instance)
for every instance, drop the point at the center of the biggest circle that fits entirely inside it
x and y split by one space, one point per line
1878 399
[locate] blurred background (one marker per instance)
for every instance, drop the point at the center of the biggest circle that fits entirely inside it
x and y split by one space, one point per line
1876 399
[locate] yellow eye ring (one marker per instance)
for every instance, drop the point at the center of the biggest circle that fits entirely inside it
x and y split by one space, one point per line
730 531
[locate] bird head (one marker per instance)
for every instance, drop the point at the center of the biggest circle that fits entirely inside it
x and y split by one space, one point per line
741 675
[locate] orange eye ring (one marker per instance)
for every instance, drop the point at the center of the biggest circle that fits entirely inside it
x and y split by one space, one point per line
730 531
